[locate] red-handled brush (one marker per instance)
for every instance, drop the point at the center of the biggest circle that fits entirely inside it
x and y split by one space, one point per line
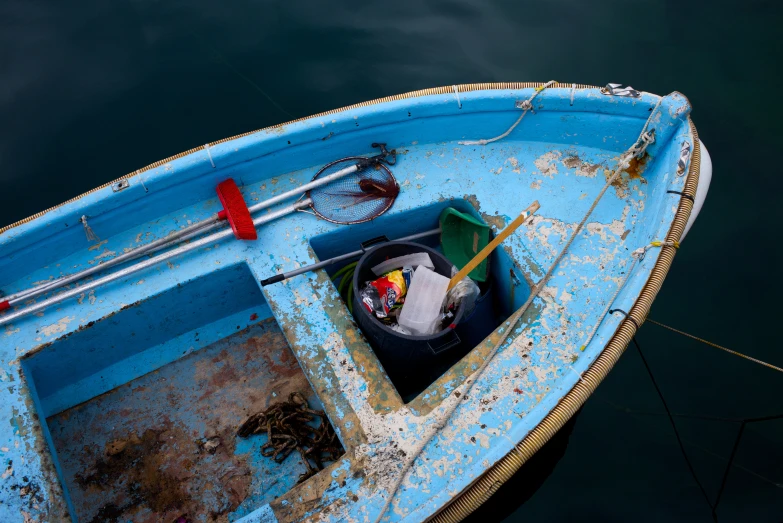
235 211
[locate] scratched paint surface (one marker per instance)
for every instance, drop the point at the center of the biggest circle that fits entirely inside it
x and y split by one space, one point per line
560 155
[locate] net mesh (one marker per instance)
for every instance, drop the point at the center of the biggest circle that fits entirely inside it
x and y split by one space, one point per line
357 197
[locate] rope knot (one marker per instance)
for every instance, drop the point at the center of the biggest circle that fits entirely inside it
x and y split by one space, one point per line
625 161
645 140
642 251
648 137
657 243
526 105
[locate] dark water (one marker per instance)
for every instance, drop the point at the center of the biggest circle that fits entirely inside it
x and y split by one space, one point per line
92 90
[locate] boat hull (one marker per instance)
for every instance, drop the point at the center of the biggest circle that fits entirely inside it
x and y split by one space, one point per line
72 354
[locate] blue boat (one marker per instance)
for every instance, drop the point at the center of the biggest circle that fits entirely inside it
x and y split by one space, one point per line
124 388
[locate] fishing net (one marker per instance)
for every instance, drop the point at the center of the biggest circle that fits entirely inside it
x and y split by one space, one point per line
357 197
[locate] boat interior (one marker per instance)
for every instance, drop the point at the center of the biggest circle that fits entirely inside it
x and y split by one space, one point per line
133 392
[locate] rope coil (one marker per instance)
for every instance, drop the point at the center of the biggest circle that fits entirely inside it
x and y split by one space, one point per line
289 427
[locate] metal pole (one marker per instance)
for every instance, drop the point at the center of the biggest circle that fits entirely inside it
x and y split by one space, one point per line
320 265
156 245
218 236
183 234
303 189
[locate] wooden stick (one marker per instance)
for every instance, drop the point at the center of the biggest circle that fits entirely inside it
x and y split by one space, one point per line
505 233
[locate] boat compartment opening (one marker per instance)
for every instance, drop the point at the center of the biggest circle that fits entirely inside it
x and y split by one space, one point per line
505 291
142 408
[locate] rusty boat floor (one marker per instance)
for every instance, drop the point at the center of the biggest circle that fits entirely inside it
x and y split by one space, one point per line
164 445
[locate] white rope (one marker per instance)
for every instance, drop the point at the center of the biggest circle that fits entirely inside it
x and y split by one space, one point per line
527 105
579 376
206 147
91 236
456 93
637 149
573 90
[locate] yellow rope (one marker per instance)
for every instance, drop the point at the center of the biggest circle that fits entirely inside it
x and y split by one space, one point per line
656 243
754 360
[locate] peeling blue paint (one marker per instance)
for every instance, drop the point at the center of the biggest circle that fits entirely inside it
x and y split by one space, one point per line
557 156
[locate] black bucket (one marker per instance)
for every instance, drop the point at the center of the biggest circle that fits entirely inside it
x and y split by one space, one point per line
480 322
407 359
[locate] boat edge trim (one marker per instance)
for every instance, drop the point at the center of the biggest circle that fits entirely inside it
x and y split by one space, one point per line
462 88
